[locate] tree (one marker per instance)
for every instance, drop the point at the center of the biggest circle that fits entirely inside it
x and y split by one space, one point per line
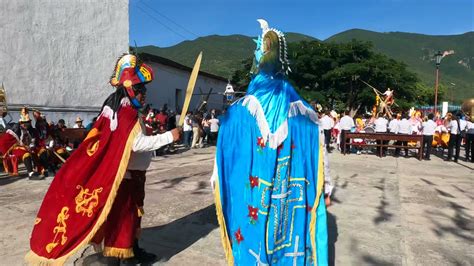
241 77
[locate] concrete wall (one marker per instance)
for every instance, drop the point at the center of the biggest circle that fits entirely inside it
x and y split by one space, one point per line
167 79
58 54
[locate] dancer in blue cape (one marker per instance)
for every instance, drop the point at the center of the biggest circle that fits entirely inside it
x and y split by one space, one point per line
268 174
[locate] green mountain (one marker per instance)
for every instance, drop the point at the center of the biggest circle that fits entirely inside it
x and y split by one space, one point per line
222 55
418 50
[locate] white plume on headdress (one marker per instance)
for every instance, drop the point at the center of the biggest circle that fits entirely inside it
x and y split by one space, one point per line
263 24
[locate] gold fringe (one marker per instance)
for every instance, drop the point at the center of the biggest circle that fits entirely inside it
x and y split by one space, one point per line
220 218
41 151
319 189
121 253
34 259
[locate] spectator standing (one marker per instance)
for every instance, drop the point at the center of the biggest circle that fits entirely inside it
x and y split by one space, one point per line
381 127
187 130
469 140
346 123
327 123
207 128
428 132
196 125
214 128
404 127
463 125
454 138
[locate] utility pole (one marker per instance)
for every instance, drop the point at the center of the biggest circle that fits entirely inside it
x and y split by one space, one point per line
439 56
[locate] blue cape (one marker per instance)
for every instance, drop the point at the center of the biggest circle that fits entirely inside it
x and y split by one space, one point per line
269 189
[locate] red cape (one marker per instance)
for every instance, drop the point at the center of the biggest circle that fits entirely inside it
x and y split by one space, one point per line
83 191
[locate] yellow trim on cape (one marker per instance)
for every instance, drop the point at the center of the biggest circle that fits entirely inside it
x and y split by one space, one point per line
26 155
220 218
121 253
141 211
34 259
317 201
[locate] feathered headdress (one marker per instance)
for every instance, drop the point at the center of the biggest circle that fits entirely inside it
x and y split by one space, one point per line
271 54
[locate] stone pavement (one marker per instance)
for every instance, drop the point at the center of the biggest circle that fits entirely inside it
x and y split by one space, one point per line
385 211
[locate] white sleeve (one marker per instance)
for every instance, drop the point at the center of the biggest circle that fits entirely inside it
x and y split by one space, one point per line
143 143
328 186
214 176
321 135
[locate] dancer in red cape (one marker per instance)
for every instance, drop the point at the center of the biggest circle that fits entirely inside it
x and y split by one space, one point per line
96 196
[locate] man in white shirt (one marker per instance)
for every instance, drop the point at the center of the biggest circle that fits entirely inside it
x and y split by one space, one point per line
327 123
428 132
78 123
381 127
403 127
393 125
454 138
214 127
346 123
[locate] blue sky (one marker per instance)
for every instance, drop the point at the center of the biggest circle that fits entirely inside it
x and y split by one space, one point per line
168 22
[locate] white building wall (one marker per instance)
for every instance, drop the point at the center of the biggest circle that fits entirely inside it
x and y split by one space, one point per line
162 90
59 55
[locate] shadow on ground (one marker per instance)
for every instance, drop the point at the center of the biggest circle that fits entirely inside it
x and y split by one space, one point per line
6 179
332 238
170 239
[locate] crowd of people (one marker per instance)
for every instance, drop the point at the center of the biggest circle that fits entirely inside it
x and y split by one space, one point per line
40 145
449 132
199 128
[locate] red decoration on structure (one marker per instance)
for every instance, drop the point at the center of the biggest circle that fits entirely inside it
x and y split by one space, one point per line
253 213
309 208
293 146
261 142
238 236
253 181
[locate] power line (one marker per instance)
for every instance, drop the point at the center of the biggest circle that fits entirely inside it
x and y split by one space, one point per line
161 23
169 19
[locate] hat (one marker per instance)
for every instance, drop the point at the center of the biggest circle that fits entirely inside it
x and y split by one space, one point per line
130 71
78 119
